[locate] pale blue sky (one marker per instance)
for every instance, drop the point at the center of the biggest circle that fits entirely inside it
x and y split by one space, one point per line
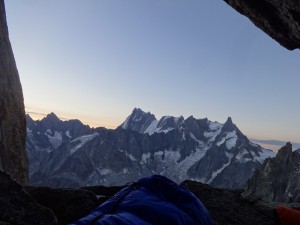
96 60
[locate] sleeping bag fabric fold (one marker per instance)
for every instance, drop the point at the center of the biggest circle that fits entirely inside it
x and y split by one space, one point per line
152 200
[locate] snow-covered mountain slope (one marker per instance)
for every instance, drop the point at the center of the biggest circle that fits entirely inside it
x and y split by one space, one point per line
48 135
198 149
146 123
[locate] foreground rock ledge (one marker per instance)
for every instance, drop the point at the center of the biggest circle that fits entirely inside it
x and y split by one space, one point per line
41 205
279 19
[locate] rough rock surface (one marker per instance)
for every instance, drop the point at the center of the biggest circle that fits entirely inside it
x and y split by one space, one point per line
19 208
67 204
13 157
227 207
278 179
279 19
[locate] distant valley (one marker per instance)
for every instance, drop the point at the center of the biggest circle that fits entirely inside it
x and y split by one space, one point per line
71 154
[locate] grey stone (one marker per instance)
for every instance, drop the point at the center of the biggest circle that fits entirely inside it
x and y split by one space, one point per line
278 179
279 19
227 207
67 204
13 157
19 208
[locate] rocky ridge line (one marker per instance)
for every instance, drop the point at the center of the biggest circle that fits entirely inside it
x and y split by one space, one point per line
278 179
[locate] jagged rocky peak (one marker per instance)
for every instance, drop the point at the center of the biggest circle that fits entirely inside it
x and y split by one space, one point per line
29 121
138 120
146 123
52 122
229 125
229 128
51 118
229 120
232 158
278 179
285 151
192 119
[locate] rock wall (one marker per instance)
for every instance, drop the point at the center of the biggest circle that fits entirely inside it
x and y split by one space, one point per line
278 179
279 19
13 158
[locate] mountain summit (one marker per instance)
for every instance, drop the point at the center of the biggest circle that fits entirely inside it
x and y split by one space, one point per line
278 179
199 149
138 120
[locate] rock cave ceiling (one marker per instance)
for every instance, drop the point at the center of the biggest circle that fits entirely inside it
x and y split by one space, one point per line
280 19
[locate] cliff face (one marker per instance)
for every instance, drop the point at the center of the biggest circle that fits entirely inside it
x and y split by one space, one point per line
279 19
13 158
278 179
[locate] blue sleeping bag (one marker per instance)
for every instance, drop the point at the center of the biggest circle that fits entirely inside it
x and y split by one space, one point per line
152 200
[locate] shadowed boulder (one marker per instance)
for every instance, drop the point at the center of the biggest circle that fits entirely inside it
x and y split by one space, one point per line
67 204
19 208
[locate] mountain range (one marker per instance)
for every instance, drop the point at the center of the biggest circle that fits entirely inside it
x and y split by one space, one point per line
71 154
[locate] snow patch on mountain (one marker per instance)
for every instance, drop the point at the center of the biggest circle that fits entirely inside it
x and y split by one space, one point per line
159 153
200 143
145 158
188 162
125 124
241 157
68 134
215 129
82 141
264 155
241 154
217 172
131 157
230 139
231 143
157 126
152 128
215 126
125 170
104 172
55 139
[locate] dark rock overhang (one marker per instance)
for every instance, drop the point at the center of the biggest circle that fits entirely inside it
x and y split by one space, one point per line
280 19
